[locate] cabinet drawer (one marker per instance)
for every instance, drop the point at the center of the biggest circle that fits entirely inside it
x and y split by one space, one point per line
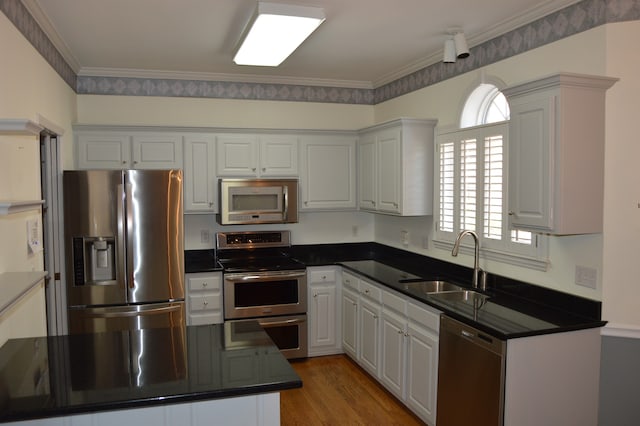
202 318
211 283
371 290
395 302
350 281
424 316
204 302
322 276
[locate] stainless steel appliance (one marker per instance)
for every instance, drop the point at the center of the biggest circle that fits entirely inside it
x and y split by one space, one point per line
261 282
470 376
124 249
253 201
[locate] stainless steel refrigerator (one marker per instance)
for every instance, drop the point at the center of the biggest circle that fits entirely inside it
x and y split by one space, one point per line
124 249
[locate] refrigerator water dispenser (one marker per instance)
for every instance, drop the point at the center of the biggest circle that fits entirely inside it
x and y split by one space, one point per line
94 260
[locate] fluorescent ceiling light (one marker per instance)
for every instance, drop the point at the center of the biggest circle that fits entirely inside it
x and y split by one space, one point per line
275 31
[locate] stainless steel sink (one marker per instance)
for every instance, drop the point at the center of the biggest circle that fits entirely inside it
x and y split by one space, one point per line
431 287
467 296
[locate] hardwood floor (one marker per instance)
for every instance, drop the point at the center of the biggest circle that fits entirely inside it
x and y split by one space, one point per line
335 391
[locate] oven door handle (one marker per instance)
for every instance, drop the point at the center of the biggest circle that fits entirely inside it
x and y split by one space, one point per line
248 276
280 323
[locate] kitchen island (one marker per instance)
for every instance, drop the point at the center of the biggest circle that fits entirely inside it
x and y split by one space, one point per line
192 376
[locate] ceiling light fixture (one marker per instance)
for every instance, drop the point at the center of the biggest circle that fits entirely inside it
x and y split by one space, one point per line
275 31
455 46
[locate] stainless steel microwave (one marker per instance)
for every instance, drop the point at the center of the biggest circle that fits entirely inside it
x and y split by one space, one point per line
255 201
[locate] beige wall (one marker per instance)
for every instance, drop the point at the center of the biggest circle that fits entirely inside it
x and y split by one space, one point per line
29 89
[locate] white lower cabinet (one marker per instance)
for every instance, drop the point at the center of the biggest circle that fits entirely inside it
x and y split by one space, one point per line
395 339
204 298
323 315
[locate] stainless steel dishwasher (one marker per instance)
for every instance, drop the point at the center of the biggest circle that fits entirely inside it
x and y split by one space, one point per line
470 376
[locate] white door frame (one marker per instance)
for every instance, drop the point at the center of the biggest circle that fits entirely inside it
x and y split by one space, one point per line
53 231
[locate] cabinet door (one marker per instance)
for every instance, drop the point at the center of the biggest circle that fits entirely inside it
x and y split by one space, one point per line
350 322
393 353
389 173
157 151
530 174
237 155
422 372
328 173
322 321
369 319
200 182
367 172
103 151
203 298
278 155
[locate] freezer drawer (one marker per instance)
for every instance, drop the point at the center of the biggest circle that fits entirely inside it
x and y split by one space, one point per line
116 318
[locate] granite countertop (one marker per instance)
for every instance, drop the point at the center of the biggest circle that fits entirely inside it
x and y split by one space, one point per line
500 316
62 375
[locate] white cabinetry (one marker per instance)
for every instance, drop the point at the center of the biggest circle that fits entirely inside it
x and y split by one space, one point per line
395 167
200 181
204 298
350 314
328 172
323 313
556 153
409 360
257 155
125 149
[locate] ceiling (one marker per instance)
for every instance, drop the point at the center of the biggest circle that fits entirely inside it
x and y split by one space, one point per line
362 43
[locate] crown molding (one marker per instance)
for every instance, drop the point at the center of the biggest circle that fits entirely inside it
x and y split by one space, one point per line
47 27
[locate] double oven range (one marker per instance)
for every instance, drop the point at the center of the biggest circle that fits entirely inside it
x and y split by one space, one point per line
262 282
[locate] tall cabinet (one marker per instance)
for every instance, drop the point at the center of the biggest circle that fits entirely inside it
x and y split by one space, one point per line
556 153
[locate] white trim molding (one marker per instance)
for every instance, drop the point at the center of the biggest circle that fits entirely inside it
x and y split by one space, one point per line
621 330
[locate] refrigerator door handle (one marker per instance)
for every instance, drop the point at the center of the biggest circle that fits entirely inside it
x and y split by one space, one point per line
130 234
128 312
122 245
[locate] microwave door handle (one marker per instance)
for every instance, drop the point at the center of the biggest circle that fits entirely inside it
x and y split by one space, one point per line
285 196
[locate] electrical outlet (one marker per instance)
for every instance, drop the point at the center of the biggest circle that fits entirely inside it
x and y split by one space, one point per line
404 235
425 242
354 230
204 236
586 277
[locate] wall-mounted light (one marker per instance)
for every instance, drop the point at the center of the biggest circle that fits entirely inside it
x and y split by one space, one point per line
275 31
455 46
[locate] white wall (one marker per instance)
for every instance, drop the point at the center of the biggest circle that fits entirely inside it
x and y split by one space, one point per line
29 88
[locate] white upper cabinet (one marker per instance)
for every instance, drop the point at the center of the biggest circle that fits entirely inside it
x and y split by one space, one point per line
120 149
395 167
556 154
200 181
328 172
255 155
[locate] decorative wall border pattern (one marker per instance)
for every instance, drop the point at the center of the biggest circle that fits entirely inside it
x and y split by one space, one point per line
566 22
27 25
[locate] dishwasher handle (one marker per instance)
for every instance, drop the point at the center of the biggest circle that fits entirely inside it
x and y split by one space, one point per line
477 337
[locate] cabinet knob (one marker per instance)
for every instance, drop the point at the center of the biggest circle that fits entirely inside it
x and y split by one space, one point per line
135 162
253 169
511 213
324 277
264 169
315 294
399 331
205 303
306 203
210 204
124 162
204 284
375 317
395 205
406 334
366 291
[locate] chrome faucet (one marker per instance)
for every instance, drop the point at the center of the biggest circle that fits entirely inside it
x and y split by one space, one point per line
476 268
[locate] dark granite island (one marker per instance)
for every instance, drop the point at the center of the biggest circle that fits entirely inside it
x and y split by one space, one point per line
216 374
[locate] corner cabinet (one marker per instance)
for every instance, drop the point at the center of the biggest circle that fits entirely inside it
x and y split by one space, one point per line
556 153
327 172
395 167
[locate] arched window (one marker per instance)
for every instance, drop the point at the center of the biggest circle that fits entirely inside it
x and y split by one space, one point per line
486 104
